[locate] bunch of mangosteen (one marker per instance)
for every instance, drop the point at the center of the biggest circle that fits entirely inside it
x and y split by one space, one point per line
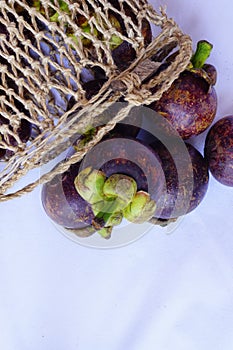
140 173
148 174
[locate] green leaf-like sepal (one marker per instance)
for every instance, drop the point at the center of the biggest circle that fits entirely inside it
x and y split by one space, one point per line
89 184
141 209
122 187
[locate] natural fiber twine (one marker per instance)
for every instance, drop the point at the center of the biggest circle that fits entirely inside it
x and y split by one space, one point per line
41 68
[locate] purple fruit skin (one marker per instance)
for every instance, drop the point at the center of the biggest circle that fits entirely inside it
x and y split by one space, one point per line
196 175
63 204
190 104
219 150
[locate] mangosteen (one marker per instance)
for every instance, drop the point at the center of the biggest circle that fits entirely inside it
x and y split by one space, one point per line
219 150
119 177
190 103
62 202
186 180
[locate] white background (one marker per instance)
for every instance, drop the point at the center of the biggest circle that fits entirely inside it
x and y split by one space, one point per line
166 292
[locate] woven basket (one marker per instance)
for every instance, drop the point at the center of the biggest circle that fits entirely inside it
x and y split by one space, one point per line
48 49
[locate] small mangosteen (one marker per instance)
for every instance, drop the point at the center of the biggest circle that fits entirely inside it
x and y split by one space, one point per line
190 103
219 150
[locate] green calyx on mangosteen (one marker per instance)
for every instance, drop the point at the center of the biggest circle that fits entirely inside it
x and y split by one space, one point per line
114 41
190 103
140 209
65 201
63 7
113 198
89 184
53 15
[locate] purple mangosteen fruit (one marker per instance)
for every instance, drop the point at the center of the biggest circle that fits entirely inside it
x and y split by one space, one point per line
185 171
219 150
119 178
62 202
177 199
190 103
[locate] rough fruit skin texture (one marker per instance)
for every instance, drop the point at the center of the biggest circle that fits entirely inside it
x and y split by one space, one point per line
63 204
189 104
196 177
219 150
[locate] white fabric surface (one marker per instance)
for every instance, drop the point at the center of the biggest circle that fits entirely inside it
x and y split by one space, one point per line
165 292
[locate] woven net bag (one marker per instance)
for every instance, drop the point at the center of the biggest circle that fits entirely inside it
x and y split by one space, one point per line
50 49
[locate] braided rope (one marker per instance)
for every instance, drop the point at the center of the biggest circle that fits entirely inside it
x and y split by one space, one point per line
41 68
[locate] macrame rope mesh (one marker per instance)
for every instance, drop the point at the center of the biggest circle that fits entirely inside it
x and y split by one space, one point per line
49 50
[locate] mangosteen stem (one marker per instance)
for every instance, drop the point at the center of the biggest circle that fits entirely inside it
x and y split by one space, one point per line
111 219
203 51
105 232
